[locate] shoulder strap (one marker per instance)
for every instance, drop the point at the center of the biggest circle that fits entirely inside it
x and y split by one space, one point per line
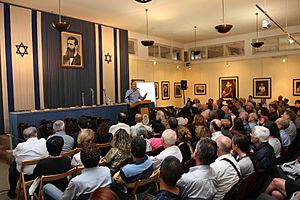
233 165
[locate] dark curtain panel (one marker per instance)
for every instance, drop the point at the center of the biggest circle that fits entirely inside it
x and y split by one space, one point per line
63 86
1 101
124 65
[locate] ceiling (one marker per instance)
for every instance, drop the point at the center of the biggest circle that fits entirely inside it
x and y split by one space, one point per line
173 19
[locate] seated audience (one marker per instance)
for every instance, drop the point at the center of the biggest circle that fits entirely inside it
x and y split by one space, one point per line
32 149
158 129
104 194
226 167
140 168
200 182
59 130
200 132
120 125
252 120
168 141
290 116
264 154
139 122
91 178
283 124
226 125
170 172
239 105
238 127
241 147
85 136
54 163
215 129
184 143
274 138
120 151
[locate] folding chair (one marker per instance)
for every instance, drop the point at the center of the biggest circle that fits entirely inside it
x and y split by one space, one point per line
71 152
45 179
22 182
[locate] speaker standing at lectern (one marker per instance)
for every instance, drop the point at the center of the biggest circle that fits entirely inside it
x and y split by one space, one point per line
132 96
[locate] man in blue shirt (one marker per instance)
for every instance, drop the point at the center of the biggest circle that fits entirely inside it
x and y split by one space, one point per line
133 95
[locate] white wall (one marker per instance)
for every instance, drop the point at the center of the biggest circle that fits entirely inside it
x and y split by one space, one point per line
208 71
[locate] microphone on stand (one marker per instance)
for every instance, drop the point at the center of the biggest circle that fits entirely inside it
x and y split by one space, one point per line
93 95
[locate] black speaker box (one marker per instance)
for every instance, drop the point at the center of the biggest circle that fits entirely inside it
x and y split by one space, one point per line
183 84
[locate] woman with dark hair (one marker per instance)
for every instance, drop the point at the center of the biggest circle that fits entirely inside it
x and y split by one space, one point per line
241 147
120 151
103 136
104 194
158 128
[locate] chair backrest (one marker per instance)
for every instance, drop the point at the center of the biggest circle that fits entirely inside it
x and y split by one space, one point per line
103 145
71 152
22 182
48 178
153 178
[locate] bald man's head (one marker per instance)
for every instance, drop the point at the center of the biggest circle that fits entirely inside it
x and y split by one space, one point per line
224 145
138 118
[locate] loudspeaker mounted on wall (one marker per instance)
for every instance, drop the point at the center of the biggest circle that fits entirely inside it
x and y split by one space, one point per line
183 84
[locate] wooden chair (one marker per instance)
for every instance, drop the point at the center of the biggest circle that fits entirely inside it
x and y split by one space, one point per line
152 179
103 145
22 182
71 152
45 179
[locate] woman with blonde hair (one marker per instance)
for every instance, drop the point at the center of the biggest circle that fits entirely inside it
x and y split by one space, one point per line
184 143
85 136
200 132
119 153
160 115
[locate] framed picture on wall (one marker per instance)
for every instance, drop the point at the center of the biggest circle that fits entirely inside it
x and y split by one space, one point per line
177 90
138 80
200 89
262 88
165 89
296 87
228 87
156 85
71 49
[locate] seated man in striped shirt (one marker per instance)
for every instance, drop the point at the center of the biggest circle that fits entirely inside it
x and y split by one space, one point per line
140 168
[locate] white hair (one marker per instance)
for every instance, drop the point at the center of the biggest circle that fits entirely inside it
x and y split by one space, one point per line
169 137
59 125
29 132
262 133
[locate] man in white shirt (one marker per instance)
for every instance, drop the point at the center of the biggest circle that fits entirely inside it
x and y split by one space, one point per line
120 125
215 129
139 122
168 142
32 149
200 182
226 168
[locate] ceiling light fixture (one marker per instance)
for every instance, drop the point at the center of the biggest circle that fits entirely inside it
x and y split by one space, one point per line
257 43
147 42
143 1
60 25
280 27
223 28
195 52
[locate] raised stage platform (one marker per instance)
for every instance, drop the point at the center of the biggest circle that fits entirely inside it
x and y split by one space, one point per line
34 117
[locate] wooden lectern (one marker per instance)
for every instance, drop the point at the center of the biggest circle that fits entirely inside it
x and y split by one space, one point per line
143 110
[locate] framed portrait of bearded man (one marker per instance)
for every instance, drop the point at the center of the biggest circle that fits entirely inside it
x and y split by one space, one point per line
71 50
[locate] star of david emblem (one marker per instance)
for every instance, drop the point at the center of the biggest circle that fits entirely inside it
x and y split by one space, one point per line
108 58
22 49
